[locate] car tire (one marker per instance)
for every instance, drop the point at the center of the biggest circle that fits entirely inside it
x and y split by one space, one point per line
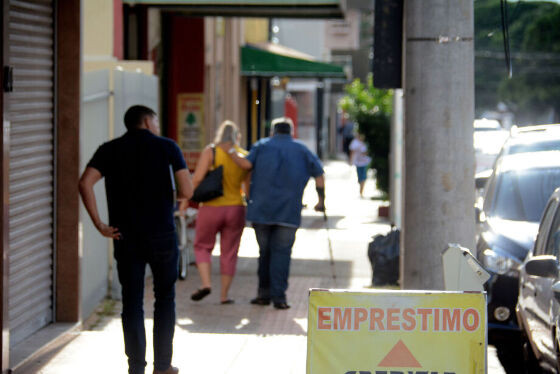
516 357
531 363
557 349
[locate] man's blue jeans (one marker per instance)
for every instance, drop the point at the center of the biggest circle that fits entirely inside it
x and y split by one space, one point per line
275 251
132 255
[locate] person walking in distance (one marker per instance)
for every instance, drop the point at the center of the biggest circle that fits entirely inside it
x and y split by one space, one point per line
140 169
347 133
360 159
281 167
224 214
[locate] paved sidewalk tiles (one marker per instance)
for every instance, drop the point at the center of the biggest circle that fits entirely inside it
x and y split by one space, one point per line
241 338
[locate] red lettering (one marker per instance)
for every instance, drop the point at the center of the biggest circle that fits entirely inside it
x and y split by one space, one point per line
342 320
392 318
424 312
323 319
376 318
475 320
436 319
408 316
360 315
451 322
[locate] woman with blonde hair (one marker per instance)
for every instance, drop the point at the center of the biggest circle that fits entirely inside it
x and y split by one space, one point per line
224 214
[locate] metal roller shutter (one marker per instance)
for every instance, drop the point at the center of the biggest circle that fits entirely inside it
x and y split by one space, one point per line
31 114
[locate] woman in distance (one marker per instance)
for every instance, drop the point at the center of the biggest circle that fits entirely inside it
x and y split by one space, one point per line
224 214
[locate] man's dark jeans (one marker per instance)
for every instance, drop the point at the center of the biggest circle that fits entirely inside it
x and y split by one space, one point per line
132 255
275 251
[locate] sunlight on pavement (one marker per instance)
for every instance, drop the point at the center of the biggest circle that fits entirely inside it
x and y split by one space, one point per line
244 322
302 322
184 321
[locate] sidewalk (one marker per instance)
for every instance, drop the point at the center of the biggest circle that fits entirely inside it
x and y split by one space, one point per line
243 338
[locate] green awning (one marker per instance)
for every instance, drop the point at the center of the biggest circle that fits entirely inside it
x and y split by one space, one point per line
276 61
235 2
252 8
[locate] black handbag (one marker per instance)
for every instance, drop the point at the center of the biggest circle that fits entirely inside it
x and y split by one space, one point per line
211 186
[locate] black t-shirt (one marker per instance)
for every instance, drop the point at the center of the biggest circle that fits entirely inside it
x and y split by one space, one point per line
139 171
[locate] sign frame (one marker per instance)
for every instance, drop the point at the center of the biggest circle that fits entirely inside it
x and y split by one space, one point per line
394 331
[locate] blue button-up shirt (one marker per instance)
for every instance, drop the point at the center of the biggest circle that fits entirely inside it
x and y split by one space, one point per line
281 168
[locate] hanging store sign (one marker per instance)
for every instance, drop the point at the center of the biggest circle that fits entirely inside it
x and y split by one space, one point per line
190 126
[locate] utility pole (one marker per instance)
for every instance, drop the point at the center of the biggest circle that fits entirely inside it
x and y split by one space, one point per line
439 155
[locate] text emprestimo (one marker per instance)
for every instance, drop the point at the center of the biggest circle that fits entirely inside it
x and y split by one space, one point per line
398 319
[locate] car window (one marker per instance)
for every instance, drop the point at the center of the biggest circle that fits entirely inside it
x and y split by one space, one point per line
489 195
548 145
553 242
521 195
543 228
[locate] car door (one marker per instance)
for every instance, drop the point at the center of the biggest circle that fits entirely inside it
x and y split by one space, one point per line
536 319
544 296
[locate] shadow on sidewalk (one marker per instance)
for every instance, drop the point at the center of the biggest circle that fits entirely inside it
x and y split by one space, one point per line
209 316
312 268
317 222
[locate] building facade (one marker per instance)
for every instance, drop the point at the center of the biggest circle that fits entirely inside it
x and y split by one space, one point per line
54 267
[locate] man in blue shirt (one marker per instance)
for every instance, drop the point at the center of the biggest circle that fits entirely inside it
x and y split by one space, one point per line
139 169
281 167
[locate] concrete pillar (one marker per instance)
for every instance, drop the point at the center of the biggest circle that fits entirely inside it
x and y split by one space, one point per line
439 156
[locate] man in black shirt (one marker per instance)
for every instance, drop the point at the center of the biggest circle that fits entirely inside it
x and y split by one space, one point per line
140 169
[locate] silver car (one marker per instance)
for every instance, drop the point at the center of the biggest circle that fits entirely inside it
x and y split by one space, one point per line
538 304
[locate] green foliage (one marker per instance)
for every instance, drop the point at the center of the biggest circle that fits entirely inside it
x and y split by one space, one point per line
531 93
535 45
543 33
371 109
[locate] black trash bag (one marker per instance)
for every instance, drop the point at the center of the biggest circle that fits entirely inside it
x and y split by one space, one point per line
383 253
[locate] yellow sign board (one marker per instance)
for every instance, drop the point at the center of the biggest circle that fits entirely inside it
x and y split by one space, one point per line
396 332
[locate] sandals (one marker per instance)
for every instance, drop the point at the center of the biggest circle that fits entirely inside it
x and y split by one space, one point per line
201 294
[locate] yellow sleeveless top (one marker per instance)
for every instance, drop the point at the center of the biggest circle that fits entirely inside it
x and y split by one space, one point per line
232 179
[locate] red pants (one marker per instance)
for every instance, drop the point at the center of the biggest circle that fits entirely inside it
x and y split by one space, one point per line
229 221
